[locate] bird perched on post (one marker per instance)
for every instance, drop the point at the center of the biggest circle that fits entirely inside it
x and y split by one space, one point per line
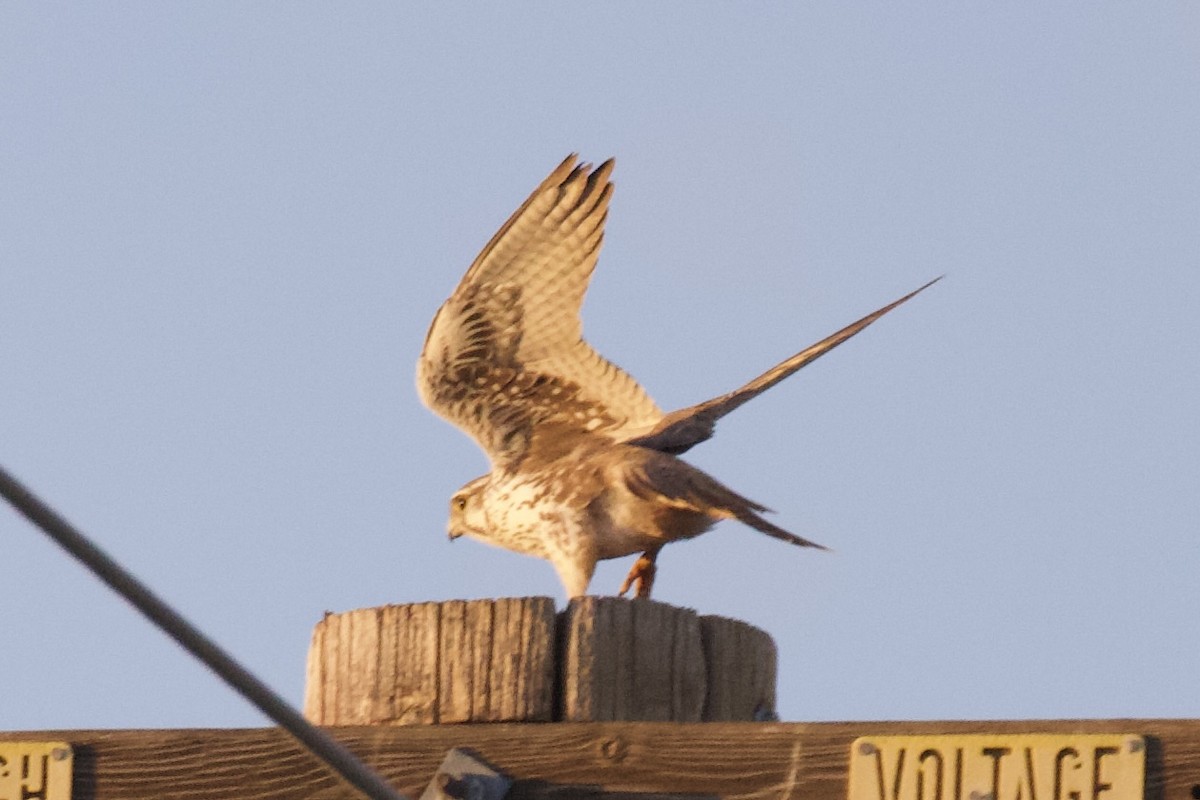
584 465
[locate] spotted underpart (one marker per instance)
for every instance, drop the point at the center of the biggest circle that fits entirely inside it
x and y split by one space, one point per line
583 463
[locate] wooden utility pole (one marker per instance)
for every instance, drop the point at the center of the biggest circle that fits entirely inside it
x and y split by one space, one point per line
609 698
603 659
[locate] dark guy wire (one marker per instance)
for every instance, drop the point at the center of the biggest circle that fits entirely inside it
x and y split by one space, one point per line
191 639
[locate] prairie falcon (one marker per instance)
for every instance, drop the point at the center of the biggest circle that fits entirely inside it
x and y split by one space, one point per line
584 465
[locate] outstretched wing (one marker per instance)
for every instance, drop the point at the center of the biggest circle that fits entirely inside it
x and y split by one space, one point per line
505 355
683 429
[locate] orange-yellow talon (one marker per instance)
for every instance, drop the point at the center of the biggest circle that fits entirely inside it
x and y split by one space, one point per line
640 577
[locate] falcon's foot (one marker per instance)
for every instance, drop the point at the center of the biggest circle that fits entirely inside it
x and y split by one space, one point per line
641 576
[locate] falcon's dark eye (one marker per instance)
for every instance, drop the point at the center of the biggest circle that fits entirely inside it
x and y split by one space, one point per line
460 503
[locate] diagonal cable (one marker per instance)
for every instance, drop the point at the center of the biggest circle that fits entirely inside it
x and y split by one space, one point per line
261 696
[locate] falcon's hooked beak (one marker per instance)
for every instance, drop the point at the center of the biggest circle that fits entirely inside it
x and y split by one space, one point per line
453 534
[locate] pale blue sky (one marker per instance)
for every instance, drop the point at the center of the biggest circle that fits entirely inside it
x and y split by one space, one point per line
224 229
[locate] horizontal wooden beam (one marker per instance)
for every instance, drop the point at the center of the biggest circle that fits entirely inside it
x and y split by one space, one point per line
776 760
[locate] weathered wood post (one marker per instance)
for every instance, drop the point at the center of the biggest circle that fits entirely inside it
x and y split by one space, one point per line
516 660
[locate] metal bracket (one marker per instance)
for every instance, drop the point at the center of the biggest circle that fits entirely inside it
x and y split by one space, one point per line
464 776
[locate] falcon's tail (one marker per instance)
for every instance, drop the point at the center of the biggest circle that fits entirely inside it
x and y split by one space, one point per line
680 430
755 521
683 486
724 502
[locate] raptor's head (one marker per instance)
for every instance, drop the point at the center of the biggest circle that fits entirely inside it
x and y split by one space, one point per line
466 510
